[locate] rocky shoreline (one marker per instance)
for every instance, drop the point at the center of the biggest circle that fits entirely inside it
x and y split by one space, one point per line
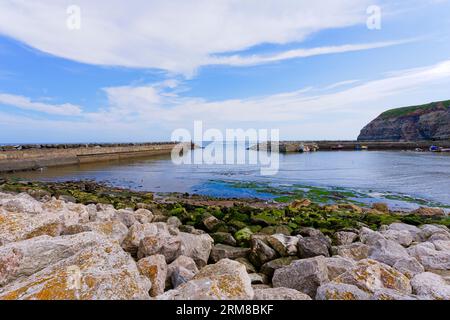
81 240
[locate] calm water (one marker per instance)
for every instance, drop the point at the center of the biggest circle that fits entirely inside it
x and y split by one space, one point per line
422 175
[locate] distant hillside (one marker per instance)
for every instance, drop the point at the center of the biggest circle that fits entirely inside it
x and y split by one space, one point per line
425 122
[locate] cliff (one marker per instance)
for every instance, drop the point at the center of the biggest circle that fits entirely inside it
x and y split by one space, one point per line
425 122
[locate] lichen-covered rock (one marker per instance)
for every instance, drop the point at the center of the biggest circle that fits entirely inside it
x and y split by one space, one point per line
174 221
429 212
114 229
387 251
370 275
428 230
15 226
143 216
355 251
269 267
309 247
169 246
304 275
222 251
389 294
85 266
408 266
225 280
280 294
337 265
430 258
284 245
126 217
345 237
211 223
430 285
155 269
198 247
441 245
136 233
258 278
380 206
340 291
260 253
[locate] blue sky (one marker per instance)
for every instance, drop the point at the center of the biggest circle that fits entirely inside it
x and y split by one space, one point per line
136 71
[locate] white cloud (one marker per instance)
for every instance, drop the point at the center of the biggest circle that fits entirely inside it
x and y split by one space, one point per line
238 60
25 103
176 35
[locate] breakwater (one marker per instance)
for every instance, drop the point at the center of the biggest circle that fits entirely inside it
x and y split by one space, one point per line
32 157
296 146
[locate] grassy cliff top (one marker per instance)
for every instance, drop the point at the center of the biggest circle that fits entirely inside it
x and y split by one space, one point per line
398 112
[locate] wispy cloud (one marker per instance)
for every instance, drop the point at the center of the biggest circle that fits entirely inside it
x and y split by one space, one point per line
239 60
25 103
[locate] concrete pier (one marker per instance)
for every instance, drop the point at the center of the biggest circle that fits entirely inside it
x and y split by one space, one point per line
32 157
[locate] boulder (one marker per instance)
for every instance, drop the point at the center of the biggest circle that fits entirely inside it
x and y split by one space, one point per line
369 237
413 230
345 237
430 285
180 275
389 294
408 266
182 262
300 203
269 267
430 258
211 223
136 233
114 229
222 251
85 266
402 237
224 238
350 207
225 280
304 275
340 291
380 206
370 275
126 217
155 269
354 251
198 247
15 226
260 253
428 230
429 212
387 251
280 294
337 265
160 244
284 245
143 216
22 203
441 245
174 221
313 246
243 236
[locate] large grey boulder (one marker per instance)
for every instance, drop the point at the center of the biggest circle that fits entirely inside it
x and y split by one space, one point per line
23 203
198 247
340 291
355 251
430 285
387 251
337 265
369 237
429 257
408 266
155 269
304 275
389 294
309 247
280 294
402 237
429 230
260 252
345 237
370 275
402 227
179 265
225 280
85 266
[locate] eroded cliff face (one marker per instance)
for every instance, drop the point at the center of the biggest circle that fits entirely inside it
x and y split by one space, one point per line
425 122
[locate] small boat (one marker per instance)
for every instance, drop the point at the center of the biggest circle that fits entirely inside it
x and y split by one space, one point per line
435 149
418 150
337 147
445 149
